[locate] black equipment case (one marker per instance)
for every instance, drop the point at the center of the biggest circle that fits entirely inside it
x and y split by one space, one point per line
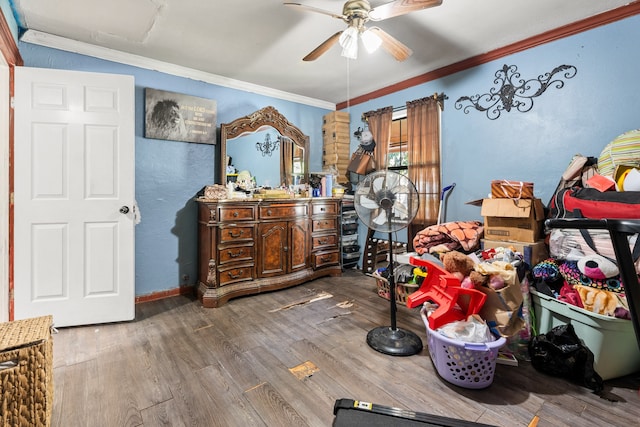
354 413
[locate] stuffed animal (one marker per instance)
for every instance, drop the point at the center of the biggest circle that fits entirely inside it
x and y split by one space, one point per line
457 263
463 267
597 267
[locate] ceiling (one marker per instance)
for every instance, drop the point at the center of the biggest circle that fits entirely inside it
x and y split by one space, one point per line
262 42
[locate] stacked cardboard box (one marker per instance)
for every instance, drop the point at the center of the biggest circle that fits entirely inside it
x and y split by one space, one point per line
514 219
335 136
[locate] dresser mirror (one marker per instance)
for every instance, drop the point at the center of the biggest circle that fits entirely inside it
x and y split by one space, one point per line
267 146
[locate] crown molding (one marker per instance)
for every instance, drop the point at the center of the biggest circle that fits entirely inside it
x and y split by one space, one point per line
599 20
56 42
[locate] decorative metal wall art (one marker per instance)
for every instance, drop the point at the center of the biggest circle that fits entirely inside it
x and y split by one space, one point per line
268 147
514 92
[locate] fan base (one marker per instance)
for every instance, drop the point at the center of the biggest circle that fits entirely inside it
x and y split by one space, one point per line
394 342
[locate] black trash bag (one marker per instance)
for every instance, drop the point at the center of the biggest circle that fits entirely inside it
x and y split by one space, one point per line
561 353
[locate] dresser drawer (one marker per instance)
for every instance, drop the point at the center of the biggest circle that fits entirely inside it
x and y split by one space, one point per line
282 211
325 224
235 254
327 241
236 274
237 213
236 234
325 259
327 208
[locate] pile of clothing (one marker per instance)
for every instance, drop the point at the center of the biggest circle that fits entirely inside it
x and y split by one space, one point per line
591 282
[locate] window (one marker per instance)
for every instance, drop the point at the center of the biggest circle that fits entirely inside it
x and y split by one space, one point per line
397 157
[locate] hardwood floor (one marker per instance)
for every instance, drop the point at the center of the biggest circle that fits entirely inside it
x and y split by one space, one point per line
179 364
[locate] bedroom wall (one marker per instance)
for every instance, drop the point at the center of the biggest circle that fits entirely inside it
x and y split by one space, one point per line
592 108
601 102
169 174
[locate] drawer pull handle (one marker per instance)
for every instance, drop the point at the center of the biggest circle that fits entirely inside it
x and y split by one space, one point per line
286 249
234 234
322 209
235 276
323 241
268 212
236 254
235 214
325 259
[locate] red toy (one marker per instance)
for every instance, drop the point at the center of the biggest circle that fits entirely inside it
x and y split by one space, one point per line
443 288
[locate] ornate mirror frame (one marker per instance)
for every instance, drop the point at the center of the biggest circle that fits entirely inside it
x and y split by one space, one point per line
263 118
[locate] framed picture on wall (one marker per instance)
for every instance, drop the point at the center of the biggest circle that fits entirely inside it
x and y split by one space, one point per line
177 117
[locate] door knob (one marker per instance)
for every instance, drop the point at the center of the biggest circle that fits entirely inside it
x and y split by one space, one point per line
124 209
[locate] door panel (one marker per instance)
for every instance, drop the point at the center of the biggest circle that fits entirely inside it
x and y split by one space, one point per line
272 249
299 244
74 157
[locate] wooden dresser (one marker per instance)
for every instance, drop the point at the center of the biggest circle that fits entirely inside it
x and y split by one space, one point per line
251 246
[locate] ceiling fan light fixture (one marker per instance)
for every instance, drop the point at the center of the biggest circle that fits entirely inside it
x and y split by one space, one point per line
371 41
349 42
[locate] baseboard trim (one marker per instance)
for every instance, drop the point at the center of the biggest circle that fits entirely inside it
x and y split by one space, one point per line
189 290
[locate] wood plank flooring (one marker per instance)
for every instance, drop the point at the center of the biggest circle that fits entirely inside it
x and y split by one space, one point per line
179 364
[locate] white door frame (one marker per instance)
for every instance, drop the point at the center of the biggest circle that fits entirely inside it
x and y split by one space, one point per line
4 189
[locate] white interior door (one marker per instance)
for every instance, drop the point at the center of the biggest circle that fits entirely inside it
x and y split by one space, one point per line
74 196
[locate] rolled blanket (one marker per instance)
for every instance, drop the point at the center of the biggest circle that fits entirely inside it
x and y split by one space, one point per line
455 235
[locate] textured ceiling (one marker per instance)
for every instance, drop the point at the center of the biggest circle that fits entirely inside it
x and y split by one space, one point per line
262 42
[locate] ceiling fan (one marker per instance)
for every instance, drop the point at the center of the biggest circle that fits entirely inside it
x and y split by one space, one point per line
356 13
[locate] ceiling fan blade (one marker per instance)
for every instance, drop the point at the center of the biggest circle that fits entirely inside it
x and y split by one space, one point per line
400 7
392 45
313 9
325 46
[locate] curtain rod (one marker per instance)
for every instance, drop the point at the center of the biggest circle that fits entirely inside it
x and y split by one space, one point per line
439 97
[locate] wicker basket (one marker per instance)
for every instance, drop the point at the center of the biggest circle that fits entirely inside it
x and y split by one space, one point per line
403 290
26 372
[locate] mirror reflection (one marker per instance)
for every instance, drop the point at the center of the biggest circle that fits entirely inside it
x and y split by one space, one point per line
265 149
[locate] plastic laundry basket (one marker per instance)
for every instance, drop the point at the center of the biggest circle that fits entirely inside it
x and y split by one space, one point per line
469 365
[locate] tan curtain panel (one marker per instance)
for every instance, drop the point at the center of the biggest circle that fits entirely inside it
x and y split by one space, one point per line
423 133
286 161
380 127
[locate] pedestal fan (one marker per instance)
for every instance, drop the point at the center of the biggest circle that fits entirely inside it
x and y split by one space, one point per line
387 201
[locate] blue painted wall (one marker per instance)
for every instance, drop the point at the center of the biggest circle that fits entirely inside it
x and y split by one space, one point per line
601 102
598 104
6 7
169 174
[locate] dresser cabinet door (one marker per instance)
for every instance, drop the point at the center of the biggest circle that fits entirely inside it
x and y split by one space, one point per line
272 248
299 244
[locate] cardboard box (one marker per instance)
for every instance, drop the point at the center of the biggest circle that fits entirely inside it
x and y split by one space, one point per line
533 253
513 220
336 116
